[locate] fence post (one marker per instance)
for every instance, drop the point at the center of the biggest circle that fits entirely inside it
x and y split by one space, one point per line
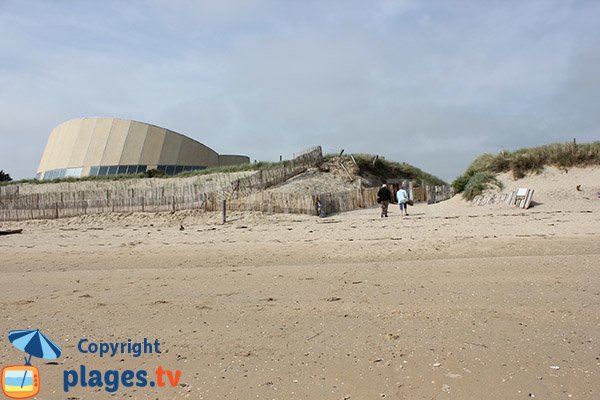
224 212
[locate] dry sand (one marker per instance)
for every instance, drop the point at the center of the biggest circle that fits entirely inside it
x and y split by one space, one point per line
453 302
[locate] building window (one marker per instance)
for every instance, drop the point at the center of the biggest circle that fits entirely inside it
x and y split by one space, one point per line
73 172
105 170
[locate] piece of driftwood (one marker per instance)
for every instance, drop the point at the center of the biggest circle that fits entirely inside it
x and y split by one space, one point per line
11 232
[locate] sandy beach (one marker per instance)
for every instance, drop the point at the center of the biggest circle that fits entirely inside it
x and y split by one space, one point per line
455 301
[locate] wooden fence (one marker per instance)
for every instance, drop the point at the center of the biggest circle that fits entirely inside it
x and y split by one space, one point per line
278 202
521 198
9 191
245 193
61 205
435 194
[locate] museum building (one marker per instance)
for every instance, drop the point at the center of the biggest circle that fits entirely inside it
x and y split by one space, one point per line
112 146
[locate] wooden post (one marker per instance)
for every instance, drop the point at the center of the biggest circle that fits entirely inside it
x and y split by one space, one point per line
347 173
224 212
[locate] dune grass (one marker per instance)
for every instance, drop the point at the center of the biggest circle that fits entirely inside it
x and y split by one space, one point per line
390 169
480 175
157 174
233 168
73 179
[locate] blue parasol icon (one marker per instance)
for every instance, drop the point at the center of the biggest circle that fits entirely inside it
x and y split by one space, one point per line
34 343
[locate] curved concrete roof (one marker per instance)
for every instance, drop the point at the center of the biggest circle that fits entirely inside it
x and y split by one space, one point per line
89 142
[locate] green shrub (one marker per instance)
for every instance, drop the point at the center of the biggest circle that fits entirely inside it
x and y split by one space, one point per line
478 183
154 173
4 177
459 183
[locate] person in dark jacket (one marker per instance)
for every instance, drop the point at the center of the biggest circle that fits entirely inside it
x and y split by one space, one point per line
383 197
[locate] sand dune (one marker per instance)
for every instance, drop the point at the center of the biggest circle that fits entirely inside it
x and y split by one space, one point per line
557 188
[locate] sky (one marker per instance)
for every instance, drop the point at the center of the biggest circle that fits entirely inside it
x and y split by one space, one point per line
431 83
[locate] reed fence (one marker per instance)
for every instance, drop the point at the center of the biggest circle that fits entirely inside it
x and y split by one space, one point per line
331 202
62 205
435 194
245 193
242 193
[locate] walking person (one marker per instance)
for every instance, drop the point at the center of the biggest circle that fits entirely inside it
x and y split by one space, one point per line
402 198
383 197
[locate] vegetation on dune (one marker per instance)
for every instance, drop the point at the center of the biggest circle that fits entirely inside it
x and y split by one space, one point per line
381 168
154 173
388 169
234 168
479 183
82 179
480 175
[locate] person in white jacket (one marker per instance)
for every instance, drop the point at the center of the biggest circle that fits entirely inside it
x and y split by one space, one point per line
402 198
